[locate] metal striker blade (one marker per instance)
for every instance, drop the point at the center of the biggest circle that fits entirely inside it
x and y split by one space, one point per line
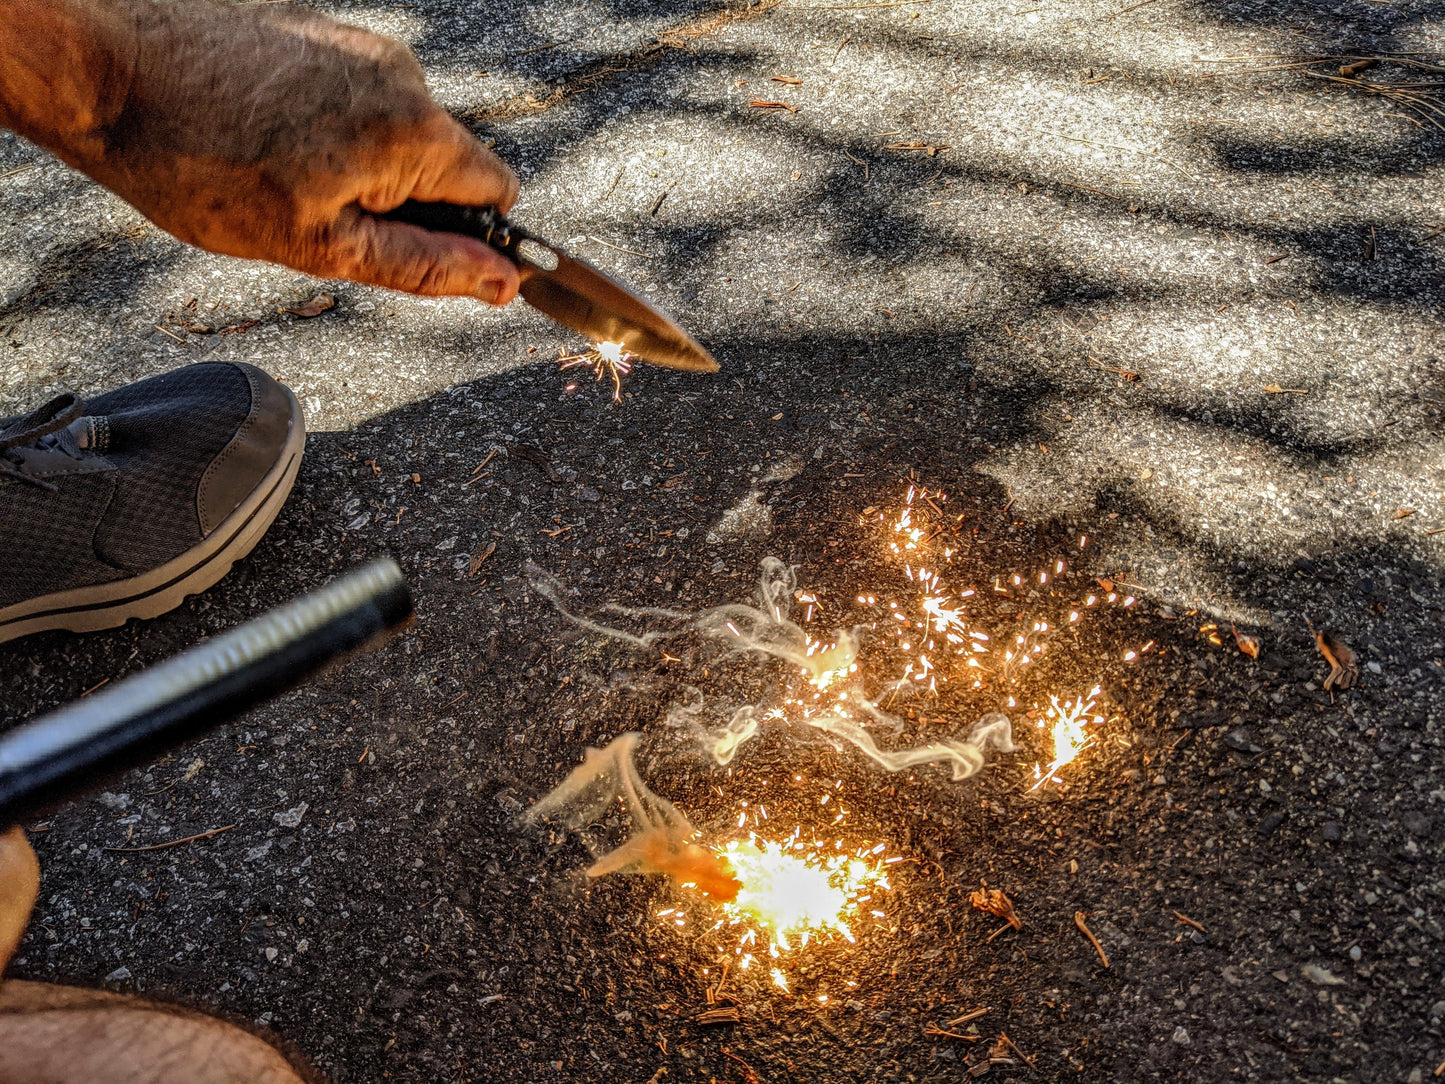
567 289
604 310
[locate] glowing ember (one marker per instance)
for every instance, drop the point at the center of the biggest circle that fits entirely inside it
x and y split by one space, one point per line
791 890
1070 737
604 359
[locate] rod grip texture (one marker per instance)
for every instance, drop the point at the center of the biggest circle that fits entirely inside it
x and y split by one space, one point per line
46 761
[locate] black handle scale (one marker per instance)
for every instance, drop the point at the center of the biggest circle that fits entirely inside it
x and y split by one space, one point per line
46 761
486 224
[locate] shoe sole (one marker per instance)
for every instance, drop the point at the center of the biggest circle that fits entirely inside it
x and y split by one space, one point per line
108 605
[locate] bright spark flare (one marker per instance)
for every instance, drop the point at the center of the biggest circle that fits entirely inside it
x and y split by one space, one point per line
606 359
1070 737
792 892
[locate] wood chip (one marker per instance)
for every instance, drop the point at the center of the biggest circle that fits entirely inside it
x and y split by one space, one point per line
762 103
1181 919
996 903
1247 642
1275 389
728 1015
475 564
1344 663
790 80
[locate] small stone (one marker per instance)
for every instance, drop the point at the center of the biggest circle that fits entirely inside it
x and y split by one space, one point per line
1241 740
291 818
271 955
1321 976
255 854
303 946
590 493
1355 953
1331 831
1181 1035
120 974
748 520
1271 823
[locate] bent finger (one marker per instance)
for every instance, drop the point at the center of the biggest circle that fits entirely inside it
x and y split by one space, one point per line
419 261
454 166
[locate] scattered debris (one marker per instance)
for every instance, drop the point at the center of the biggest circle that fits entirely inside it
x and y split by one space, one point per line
1181 919
1248 642
475 564
1344 663
1079 917
727 1015
315 307
995 902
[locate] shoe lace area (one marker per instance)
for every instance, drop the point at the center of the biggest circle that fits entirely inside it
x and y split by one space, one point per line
38 428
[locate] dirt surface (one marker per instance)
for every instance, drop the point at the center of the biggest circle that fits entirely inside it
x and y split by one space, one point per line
1047 260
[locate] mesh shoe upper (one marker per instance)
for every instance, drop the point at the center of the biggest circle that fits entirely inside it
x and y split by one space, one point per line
143 476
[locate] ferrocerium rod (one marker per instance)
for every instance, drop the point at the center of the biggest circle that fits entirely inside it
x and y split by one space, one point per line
48 760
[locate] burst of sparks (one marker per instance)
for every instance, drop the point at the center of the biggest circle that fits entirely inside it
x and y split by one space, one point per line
1070 738
606 359
797 891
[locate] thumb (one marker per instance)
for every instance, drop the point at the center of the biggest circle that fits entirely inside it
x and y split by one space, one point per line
404 257
19 882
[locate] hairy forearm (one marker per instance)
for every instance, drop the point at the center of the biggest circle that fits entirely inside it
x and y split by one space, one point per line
65 70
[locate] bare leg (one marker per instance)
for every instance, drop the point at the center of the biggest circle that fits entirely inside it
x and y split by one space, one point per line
61 1035
19 882
64 1035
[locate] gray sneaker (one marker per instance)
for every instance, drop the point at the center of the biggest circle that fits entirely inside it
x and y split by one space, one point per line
123 506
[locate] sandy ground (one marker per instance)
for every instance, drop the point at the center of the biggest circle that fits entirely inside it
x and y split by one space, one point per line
1071 264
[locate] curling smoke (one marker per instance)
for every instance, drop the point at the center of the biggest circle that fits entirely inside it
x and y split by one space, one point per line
766 627
662 837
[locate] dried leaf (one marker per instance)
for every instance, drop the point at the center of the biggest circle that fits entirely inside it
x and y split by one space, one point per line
481 555
995 902
1344 663
315 307
1247 642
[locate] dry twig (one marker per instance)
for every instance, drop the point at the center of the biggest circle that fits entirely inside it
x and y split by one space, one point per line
1079 917
173 842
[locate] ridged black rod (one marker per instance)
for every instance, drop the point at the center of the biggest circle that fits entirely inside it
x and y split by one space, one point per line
52 759
486 224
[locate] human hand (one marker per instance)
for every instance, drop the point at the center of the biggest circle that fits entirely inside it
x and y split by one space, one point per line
19 884
283 135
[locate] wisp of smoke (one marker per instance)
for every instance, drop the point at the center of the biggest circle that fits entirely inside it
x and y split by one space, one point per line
967 756
661 840
767 628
